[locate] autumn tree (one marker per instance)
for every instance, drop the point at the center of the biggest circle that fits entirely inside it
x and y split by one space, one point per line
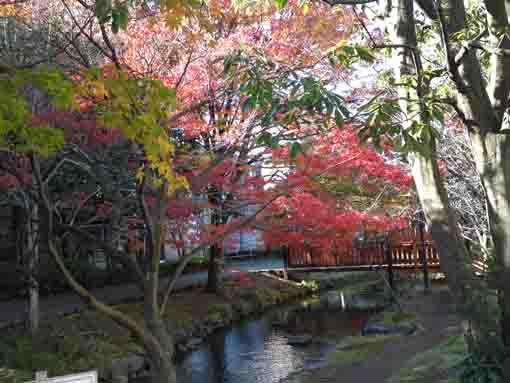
338 185
219 64
148 108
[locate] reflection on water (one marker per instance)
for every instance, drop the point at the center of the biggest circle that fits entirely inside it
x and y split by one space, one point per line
258 351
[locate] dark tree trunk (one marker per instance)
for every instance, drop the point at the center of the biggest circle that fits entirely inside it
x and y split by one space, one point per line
215 269
215 266
33 242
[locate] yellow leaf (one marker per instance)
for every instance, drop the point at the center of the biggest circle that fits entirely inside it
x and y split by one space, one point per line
139 174
306 9
99 89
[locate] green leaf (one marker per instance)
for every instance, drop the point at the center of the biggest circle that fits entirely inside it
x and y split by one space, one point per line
123 13
102 10
168 95
115 21
365 53
275 142
295 149
281 3
339 119
265 139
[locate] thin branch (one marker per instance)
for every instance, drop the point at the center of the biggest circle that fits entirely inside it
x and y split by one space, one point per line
185 69
124 258
110 46
364 26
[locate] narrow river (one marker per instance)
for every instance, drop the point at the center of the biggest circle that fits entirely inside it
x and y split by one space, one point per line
271 347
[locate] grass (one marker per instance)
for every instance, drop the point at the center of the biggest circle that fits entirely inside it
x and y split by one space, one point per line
396 317
434 365
355 349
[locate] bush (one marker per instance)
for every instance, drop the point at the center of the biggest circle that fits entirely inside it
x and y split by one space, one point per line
19 353
487 361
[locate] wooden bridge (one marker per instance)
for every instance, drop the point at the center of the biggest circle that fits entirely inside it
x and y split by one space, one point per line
404 249
407 249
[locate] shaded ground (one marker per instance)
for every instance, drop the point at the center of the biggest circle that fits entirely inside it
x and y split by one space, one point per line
384 359
66 303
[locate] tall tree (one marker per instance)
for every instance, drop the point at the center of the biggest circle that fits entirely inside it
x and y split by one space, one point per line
471 64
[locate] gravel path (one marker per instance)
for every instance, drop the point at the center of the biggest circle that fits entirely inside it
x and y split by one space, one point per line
68 302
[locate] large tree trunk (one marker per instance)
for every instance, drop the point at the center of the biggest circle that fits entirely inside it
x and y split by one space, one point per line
484 111
33 239
443 225
161 358
492 156
431 191
454 257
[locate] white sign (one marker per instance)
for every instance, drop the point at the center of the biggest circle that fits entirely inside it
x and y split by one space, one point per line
84 377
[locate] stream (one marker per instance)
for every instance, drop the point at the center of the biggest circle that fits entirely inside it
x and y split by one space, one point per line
269 348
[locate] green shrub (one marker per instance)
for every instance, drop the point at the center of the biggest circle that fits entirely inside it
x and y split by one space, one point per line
20 354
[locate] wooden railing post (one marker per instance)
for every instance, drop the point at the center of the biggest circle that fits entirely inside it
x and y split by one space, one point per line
389 262
423 257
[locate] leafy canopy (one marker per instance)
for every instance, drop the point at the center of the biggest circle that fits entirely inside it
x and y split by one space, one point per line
19 131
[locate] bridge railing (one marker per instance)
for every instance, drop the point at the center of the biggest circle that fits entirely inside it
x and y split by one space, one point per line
407 248
402 256
411 248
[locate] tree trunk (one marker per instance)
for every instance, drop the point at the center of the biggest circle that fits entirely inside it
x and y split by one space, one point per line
492 155
444 228
431 191
33 239
215 269
161 357
484 111
215 266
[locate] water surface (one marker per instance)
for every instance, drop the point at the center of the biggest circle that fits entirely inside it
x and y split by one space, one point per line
258 351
